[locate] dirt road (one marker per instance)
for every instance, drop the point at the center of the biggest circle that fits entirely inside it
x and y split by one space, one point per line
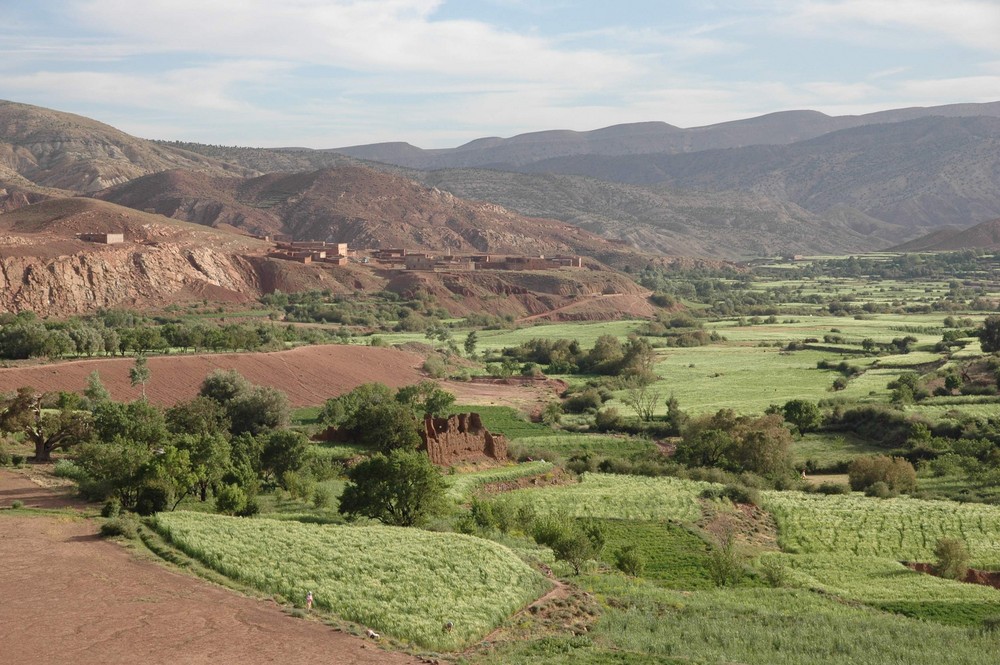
68 597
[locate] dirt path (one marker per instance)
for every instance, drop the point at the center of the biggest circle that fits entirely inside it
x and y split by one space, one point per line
17 486
69 597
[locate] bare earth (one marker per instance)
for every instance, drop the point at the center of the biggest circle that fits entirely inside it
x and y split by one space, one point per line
69 597
309 374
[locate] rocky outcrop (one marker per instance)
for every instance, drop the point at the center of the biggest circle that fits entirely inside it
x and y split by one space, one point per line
461 438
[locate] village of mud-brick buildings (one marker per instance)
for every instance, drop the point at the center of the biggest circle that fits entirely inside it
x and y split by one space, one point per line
338 253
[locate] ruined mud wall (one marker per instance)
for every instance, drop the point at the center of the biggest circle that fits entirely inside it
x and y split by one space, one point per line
461 438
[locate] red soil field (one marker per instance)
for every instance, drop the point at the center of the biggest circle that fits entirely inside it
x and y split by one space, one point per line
309 374
69 597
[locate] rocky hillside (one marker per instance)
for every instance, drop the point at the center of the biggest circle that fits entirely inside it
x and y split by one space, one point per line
365 208
47 269
69 152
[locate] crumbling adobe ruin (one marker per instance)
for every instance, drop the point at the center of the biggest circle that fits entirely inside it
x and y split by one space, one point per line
461 438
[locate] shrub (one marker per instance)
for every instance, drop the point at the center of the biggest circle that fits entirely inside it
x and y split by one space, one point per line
952 558
65 468
898 474
230 499
435 367
17 460
607 420
4 456
17 503
726 562
630 561
879 490
113 508
773 571
833 488
123 526
152 498
322 498
741 494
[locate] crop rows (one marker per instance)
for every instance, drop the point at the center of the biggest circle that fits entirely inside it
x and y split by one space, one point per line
619 497
902 529
406 583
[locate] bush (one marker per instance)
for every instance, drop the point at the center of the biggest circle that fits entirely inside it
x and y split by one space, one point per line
898 474
4 456
435 367
833 488
123 526
741 494
952 558
879 490
607 420
17 503
113 508
230 499
773 571
153 498
630 561
726 562
65 468
17 460
322 498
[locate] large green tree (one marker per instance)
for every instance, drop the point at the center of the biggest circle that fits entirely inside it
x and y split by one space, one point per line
402 488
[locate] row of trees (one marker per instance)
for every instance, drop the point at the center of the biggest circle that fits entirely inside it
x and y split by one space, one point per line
24 336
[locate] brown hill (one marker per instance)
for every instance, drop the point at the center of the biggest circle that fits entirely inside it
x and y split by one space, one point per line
980 236
46 268
77 154
360 206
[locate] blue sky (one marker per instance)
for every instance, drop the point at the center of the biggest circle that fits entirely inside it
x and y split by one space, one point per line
436 73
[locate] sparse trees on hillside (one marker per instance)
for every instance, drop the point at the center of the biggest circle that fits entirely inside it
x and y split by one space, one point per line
402 488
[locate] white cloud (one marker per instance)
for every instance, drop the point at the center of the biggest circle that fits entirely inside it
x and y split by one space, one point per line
971 23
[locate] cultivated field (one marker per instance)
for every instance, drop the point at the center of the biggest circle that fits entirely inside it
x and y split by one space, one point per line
406 583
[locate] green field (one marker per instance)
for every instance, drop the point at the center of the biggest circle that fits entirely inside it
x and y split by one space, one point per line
617 497
673 556
902 529
406 583
887 584
567 445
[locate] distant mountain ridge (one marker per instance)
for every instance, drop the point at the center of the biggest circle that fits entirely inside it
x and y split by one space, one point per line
644 138
981 236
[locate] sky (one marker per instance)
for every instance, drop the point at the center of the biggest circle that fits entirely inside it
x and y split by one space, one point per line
438 73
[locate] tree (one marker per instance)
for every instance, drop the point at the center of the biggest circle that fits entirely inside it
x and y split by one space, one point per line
138 421
425 399
139 373
642 399
402 488
224 385
343 411
897 473
284 450
387 427
257 410
209 454
989 336
95 390
51 431
803 414
200 415
16 409
118 468
471 340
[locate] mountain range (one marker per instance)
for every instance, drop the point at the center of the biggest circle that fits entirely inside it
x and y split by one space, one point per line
793 182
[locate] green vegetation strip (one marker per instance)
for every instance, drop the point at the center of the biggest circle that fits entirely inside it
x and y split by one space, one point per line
903 529
644 623
889 585
406 583
461 486
623 497
672 555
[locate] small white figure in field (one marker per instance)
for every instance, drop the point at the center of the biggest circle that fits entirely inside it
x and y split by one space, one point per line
309 600
372 634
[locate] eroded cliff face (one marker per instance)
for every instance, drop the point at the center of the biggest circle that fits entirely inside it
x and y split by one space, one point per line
77 282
